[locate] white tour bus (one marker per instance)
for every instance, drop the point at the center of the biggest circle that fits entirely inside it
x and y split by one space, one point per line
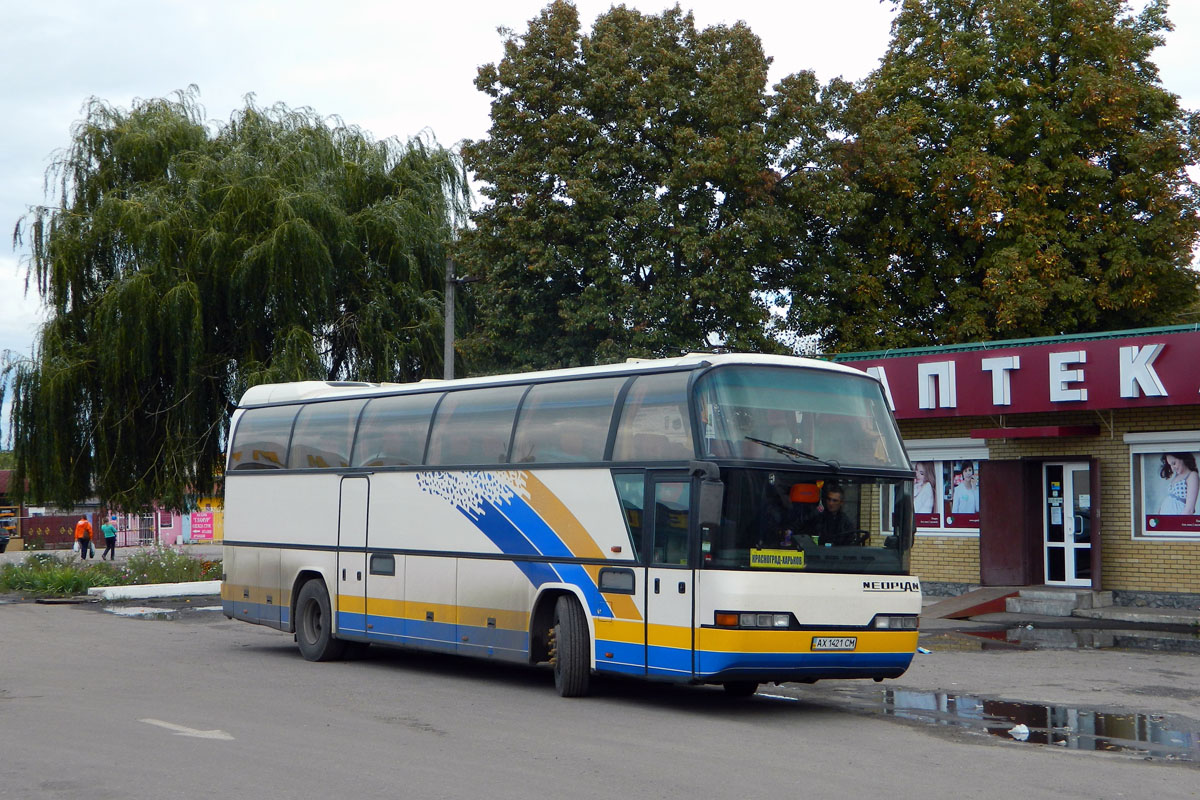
723 519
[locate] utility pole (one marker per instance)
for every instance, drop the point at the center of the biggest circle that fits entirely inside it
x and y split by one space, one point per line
448 349
451 283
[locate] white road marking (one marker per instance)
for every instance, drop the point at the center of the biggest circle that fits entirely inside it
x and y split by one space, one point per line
181 730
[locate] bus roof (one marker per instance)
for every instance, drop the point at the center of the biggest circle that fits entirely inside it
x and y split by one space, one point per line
276 393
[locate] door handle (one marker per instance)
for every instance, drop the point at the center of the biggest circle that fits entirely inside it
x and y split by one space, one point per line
682 587
656 585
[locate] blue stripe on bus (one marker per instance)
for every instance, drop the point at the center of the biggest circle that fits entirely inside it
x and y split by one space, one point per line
351 622
527 521
525 529
669 661
826 664
262 613
518 530
621 668
511 541
622 652
442 635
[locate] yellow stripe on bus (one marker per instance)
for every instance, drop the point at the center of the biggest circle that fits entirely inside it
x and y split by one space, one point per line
240 593
416 610
616 630
613 630
669 636
770 641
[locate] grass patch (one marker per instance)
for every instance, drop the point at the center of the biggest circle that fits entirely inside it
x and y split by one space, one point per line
50 575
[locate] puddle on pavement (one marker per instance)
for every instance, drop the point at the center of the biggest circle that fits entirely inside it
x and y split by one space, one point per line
160 612
1149 735
1034 638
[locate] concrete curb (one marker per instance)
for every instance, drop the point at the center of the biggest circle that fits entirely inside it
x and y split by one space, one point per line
143 591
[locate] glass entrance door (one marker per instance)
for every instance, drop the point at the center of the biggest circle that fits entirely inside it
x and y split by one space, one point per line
1066 515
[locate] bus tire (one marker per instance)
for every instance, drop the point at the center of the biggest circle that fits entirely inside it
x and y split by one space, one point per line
740 688
314 624
572 661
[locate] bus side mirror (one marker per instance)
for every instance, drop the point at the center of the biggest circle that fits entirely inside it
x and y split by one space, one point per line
711 496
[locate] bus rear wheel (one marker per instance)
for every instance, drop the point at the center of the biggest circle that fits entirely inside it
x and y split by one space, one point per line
314 624
572 661
740 688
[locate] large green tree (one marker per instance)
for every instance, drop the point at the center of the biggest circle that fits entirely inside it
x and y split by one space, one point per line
1012 168
631 205
185 261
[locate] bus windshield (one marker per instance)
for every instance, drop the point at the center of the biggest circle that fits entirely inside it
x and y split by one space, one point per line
792 415
776 519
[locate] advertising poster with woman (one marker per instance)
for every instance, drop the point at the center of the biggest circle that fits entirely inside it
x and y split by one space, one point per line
926 513
1170 484
961 499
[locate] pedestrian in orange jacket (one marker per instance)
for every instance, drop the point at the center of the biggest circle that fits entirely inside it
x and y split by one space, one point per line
83 539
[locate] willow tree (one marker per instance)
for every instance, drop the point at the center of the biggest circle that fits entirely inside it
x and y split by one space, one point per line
629 176
1013 168
186 261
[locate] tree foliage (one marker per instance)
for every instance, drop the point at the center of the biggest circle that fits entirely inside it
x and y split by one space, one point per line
631 192
185 262
1013 168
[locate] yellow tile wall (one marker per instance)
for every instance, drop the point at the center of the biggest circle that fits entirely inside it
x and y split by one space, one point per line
950 559
1128 564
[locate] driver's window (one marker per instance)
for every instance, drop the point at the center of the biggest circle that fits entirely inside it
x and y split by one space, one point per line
672 500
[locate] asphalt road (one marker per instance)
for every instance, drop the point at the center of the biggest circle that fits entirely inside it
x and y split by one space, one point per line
95 705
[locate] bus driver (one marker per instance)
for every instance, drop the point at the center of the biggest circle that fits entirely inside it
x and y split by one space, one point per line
829 524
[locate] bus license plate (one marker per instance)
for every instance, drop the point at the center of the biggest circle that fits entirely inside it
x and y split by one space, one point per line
834 642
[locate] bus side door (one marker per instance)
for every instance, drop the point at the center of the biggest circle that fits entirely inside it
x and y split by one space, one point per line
351 554
669 584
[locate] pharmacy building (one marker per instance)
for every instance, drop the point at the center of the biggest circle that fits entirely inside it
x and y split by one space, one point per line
1068 461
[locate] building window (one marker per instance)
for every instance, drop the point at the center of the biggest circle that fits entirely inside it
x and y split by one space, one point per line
1165 484
946 485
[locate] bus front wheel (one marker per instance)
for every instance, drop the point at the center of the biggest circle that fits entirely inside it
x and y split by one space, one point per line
314 624
740 688
572 661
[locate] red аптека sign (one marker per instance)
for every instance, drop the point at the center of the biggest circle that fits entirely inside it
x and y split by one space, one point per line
1126 372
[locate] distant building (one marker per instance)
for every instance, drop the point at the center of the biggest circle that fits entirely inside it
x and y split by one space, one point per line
48 528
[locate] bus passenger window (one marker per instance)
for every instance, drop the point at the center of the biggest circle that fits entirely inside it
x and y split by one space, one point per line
324 434
393 431
261 438
473 427
654 422
566 422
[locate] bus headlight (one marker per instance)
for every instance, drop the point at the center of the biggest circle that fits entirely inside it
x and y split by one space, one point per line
896 622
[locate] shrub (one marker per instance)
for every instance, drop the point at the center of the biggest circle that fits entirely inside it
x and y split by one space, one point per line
47 574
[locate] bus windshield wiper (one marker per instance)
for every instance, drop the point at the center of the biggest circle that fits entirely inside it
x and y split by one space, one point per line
793 452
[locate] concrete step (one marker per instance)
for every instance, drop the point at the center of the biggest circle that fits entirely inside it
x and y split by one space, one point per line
1056 602
1062 606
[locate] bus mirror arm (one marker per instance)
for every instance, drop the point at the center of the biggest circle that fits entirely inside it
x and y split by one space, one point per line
711 496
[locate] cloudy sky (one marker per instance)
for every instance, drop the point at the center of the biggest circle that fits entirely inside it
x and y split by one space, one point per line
393 68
